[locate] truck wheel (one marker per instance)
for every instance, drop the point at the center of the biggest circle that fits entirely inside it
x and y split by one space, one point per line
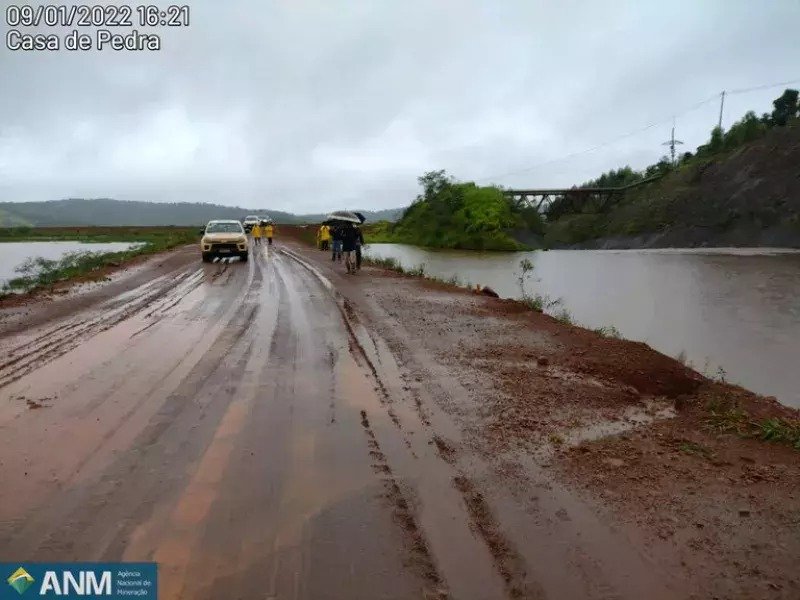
206 257
243 256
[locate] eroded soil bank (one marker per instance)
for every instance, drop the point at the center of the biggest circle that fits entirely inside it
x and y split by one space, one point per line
563 436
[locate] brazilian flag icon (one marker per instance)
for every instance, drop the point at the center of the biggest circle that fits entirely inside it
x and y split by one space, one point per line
20 580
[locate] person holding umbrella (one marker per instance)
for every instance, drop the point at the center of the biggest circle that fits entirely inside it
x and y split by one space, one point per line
345 236
349 235
336 242
359 244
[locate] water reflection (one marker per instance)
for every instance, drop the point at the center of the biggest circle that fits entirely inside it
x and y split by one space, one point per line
737 310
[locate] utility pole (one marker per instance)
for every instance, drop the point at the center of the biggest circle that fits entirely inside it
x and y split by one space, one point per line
721 106
671 143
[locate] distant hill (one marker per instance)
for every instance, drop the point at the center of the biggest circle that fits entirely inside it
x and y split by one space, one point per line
108 212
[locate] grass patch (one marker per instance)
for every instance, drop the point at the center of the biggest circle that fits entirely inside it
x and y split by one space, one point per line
378 233
564 316
537 302
731 418
608 332
37 272
779 430
390 264
695 449
418 271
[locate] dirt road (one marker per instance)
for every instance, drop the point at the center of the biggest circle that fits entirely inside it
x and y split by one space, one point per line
270 430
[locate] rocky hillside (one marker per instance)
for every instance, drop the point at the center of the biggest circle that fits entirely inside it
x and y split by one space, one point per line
749 196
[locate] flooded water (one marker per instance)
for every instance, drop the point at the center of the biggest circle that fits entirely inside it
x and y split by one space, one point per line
13 254
729 312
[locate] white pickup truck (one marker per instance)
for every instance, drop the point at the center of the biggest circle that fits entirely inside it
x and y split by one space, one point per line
249 221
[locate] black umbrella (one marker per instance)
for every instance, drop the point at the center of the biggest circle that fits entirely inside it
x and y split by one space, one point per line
345 216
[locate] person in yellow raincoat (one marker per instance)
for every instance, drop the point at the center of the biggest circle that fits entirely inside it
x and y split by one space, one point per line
268 230
324 235
257 231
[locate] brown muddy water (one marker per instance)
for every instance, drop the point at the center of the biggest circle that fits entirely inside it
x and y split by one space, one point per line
731 313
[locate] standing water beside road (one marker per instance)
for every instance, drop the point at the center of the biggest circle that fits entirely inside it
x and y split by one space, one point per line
14 254
730 312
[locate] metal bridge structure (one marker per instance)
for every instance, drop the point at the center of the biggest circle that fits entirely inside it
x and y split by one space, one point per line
602 198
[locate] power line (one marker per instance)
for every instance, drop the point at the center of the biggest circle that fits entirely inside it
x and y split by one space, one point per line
637 131
762 87
606 143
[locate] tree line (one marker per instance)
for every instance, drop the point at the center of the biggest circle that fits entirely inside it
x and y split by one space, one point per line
451 214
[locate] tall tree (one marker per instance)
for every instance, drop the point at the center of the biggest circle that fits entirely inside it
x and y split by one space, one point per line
717 140
786 107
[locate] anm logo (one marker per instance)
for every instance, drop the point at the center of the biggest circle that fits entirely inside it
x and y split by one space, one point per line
20 580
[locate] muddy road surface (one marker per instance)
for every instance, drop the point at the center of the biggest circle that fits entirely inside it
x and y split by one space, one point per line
274 429
209 419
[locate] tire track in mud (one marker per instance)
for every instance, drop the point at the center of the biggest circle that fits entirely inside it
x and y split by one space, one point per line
508 564
139 297
356 332
59 340
73 526
560 541
422 559
116 313
508 560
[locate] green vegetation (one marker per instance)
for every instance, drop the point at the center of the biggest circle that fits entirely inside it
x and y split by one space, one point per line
378 233
537 302
38 272
727 417
564 316
741 180
609 332
695 449
392 264
702 190
459 215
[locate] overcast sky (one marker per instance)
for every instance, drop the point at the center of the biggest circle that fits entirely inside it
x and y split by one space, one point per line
313 105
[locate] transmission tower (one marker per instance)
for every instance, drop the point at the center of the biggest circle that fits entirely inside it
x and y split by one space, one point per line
672 142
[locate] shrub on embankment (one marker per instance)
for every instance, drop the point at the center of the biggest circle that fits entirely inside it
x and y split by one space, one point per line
449 214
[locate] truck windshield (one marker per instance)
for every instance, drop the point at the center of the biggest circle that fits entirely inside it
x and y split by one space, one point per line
224 228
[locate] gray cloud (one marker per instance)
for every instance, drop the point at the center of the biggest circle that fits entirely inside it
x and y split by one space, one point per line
304 105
